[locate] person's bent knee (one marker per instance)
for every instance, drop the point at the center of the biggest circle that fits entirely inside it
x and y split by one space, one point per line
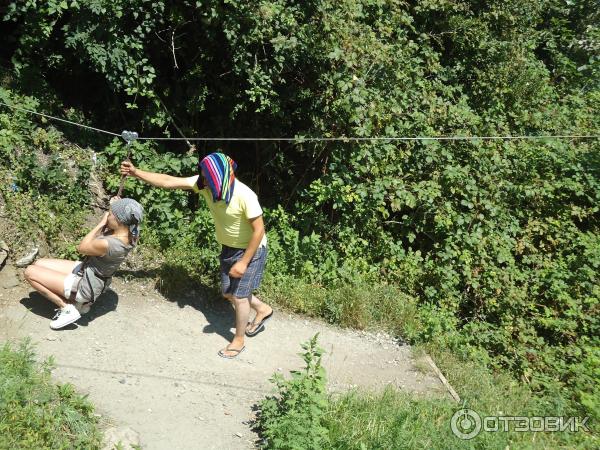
29 272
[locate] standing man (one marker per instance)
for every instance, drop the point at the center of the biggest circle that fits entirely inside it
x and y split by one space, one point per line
240 231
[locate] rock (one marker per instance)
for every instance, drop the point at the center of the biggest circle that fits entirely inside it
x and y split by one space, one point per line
121 437
3 252
27 259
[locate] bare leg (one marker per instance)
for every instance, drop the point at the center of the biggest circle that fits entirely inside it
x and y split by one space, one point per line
262 311
242 311
63 266
47 282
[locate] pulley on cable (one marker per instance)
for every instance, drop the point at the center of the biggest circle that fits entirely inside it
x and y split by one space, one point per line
129 137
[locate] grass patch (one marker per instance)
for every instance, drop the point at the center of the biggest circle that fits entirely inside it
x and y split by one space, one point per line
359 306
396 420
300 416
37 413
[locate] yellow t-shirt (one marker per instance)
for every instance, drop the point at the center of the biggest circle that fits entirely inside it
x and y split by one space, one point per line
232 221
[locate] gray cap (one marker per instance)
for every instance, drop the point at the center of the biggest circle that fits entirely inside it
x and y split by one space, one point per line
129 212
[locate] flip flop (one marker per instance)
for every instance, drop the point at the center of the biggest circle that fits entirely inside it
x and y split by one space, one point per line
227 349
260 326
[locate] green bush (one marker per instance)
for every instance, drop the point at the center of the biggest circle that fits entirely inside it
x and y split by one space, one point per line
37 413
40 161
301 416
293 418
45 183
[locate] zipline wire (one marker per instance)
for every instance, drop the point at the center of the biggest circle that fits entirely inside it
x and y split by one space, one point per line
60 120
318 139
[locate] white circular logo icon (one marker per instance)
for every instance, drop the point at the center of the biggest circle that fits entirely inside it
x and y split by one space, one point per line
465 424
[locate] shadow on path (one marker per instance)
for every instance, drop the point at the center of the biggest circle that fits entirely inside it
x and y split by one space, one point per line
178 287
39 305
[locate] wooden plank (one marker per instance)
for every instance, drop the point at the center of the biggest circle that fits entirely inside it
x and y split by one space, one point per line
442 378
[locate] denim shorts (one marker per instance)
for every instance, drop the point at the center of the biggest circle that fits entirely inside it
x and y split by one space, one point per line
250 281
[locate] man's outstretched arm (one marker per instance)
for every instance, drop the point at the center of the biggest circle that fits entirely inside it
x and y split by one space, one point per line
160 180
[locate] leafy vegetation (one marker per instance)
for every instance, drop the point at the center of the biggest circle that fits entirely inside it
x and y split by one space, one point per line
35 412
302 416
293 419
487 248
45 179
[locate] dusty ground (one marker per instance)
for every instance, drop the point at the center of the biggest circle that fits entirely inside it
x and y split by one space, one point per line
150 362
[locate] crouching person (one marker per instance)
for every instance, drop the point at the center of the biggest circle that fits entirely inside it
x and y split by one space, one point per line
73 286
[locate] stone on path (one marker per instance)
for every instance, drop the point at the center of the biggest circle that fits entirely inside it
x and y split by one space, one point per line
28 258
3 252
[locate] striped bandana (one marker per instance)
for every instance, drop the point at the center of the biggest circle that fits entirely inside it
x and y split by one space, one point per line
219 172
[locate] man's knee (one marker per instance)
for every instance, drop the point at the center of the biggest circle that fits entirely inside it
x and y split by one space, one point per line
239 301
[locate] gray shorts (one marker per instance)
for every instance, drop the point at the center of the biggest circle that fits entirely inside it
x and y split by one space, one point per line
250 281
68 283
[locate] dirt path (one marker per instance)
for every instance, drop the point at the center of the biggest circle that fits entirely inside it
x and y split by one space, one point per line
151 363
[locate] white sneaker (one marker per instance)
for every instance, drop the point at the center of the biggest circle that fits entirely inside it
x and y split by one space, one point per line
83 308
65 316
